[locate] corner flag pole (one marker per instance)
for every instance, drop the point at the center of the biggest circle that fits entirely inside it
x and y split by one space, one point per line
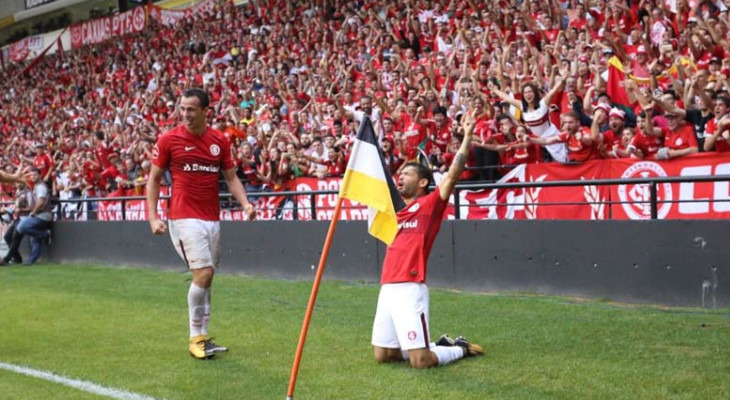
312 299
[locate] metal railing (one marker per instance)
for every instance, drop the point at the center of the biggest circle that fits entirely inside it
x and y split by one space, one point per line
88 204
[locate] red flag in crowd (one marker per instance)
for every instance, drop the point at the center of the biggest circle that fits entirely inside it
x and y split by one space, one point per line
615 83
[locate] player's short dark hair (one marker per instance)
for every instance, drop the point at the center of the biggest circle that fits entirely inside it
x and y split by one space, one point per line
201 94
724 99
423 172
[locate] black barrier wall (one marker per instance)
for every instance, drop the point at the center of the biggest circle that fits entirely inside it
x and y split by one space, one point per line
663 262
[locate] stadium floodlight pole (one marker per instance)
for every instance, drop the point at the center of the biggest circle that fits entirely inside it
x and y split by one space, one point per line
312 299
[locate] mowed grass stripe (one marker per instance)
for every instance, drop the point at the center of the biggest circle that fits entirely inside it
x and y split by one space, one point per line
127 328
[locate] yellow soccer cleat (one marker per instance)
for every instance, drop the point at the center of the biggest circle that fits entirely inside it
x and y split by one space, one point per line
199 348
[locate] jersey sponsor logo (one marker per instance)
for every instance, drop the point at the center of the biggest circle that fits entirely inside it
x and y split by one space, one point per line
188 148
636 198
408 224
214 149
200 168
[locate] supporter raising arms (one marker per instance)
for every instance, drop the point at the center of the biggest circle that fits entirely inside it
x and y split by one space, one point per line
535 113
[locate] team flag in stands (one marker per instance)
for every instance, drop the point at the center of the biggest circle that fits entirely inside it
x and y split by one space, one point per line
368 182
615 83
616 76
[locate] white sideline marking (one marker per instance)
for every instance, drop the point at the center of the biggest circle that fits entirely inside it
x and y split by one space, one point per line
76 384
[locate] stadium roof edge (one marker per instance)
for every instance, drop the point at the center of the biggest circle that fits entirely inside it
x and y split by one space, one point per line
46 8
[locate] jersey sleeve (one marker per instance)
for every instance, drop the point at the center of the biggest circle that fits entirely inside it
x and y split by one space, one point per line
161 152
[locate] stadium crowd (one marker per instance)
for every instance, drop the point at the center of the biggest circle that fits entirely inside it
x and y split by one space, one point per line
288 78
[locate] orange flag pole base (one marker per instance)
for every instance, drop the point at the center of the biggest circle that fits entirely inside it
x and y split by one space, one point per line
312 299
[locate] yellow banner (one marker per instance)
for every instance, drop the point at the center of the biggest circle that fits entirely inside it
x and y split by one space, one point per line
7 21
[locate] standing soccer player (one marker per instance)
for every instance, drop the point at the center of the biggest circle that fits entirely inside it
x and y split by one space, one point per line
195 153
400 329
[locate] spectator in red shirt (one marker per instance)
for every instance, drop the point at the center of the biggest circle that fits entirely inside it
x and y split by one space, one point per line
679 139
580 141
43 162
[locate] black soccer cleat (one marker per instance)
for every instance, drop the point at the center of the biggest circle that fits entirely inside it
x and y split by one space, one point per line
470 349
445 340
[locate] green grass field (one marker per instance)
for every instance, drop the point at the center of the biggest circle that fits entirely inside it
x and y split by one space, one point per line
127 329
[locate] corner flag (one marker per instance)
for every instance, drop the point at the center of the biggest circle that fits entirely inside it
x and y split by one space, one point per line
367 182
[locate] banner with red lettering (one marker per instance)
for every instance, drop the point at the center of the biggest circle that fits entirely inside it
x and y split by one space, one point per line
285 207
103 29
506 203
583 202
567 202
174 17
676 200
19 50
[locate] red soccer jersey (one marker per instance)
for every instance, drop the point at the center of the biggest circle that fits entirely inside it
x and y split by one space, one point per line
194 163
43 162
418 225
648 145
577 150
684 137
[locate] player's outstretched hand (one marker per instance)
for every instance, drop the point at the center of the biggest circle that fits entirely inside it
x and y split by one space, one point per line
250 211
158 227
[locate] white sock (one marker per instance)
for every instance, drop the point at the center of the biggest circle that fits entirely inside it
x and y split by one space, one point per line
405 355
206 312
447 354
196 309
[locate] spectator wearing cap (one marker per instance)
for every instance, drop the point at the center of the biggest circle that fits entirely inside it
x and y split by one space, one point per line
603 101
699 116
616 124
679 138
640 63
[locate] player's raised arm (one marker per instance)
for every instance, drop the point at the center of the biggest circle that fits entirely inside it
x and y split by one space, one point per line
452 176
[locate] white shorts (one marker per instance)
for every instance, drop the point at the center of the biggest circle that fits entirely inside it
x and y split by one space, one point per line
401 319
197 241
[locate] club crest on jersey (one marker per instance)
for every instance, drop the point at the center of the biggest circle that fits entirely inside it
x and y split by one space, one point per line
214 149
414 208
